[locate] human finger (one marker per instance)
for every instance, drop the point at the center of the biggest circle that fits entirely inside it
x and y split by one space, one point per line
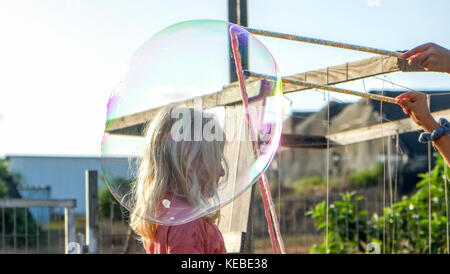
405 104
415 50
427 62
410 96
401 96
431 63
419 58
405 110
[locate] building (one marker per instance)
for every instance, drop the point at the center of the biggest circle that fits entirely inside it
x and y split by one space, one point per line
59 177
406 154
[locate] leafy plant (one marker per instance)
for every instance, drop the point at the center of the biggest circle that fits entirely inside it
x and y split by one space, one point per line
346 225
403 228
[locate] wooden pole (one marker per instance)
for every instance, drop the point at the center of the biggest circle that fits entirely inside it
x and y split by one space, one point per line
237 14
69 228
92 229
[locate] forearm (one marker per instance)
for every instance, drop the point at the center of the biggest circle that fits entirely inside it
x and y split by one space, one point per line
443 145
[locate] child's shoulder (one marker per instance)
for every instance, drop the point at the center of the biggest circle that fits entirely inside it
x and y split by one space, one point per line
197 236
197 224
197 229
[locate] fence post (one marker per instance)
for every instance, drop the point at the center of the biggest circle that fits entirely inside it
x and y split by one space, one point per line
92 229
69 228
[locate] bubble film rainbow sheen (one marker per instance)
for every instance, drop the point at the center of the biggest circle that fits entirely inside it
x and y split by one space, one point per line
189 64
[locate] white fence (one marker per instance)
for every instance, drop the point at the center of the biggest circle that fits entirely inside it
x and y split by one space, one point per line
69 216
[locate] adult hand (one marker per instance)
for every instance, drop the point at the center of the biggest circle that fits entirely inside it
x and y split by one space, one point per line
415 105
430 56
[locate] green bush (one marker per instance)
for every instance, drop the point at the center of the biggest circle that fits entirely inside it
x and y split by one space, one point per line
346 225
4 176
308 185
107 201
368 177
403 228
3 189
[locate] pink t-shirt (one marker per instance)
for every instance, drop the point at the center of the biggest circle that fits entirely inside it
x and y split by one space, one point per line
196 237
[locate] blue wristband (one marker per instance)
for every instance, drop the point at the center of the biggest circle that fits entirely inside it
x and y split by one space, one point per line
426 137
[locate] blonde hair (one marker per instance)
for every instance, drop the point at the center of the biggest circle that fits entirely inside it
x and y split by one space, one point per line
183 169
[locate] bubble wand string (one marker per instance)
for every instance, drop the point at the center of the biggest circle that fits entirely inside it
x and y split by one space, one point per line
323 42
264 184
329 88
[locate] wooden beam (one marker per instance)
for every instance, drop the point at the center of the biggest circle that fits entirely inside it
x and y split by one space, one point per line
380 130
305 141
230 95
350 72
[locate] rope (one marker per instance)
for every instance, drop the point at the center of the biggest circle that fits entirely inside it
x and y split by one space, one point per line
328 173
446 205
429 189
384 173
389 172
397 150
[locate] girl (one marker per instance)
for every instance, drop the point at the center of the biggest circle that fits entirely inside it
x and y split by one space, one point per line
175 178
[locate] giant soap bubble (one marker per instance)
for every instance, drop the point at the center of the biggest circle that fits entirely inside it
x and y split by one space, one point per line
180 78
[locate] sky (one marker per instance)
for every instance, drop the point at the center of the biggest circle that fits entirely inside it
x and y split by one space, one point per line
60 59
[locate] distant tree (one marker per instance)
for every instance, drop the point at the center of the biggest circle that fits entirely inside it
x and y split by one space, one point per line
108 203
17 221
8 182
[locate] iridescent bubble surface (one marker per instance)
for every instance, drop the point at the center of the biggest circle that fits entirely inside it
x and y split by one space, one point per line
190 146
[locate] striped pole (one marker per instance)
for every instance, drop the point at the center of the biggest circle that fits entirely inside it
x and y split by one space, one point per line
323 42
329 88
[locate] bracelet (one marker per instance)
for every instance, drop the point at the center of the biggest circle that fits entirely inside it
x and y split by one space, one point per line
426 137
